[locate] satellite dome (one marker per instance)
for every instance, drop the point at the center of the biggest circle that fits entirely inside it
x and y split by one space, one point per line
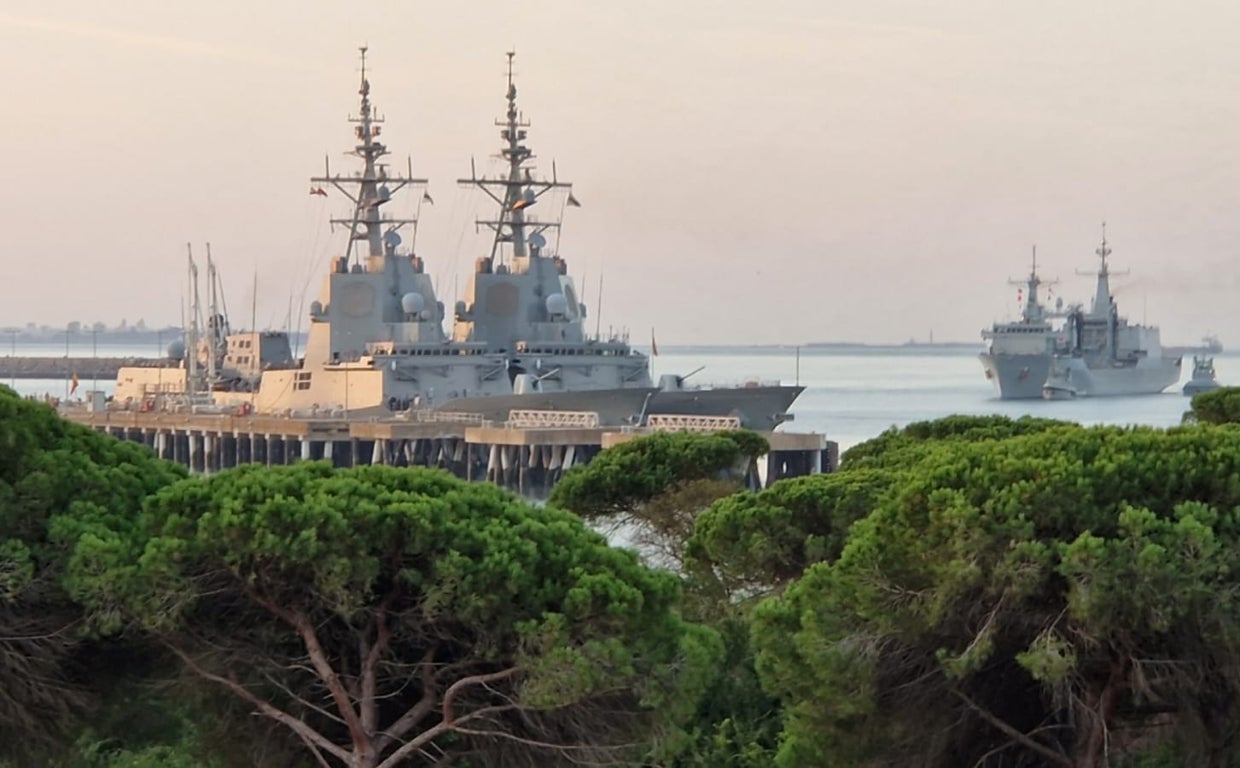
412 303
316 308
176 350
557 304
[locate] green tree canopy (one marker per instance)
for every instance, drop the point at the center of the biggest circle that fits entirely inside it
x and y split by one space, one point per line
1217 406
1013 602
627 475
59 484
899 447
755 542
393 616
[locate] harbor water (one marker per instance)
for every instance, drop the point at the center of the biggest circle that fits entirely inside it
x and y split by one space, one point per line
851 395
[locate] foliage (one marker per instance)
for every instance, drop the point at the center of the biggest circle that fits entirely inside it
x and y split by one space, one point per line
384 615
59 484
1015 601
1217 406
755 542
897 448
626 475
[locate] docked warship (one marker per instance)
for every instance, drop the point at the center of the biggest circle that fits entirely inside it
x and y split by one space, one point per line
523 304
1017 358
1098 353
376 345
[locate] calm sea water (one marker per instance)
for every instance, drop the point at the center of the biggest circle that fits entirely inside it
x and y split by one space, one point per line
850 396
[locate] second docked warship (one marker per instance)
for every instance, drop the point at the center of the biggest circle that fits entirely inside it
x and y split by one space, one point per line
1099 353
1017 358
523 304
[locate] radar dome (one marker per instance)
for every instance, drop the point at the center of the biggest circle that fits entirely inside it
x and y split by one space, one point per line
176 350
557 304
412 303
316 308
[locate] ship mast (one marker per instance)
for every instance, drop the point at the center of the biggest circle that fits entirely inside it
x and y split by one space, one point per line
1033 311
518 191
1103 305
370 189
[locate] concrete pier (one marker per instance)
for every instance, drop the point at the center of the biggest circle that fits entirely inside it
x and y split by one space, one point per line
527 459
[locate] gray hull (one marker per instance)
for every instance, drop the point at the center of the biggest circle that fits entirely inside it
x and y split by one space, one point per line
759 408
1148 378
1016 377
615 407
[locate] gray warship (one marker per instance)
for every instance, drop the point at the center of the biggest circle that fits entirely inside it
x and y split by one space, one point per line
1100 354
375 344
523 304
1017 357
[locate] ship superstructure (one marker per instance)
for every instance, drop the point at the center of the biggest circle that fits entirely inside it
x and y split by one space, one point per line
1099 353
1018 353
376 341
523 303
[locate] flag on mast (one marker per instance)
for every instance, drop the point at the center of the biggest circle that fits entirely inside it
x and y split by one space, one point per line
426 197
318 191
654 347
572 201
73 384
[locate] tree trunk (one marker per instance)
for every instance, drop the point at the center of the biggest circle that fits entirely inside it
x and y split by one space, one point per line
1095 720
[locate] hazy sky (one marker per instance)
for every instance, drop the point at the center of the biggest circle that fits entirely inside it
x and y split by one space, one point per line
749 172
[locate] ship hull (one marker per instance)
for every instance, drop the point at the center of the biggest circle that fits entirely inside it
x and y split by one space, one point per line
760 408
615 407
1016 377
1097 381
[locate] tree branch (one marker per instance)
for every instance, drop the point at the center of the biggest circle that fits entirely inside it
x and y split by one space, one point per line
304 731
1012 733
370 663
414 714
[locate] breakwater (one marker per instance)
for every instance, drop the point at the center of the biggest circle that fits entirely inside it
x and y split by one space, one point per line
23 367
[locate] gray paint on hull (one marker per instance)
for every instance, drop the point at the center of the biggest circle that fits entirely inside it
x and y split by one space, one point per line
761 408
1016 377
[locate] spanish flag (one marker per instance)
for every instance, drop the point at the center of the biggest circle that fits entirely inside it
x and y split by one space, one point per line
318 191
73 384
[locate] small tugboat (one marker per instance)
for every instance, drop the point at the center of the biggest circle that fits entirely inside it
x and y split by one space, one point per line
1203 376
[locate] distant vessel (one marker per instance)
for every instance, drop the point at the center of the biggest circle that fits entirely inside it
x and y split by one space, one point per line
1202 379
1018 354
1099 353
522 304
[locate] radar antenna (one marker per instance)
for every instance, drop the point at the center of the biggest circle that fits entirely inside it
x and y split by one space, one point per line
519 191
373 187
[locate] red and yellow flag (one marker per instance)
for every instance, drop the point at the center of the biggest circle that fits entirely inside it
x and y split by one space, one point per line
73 384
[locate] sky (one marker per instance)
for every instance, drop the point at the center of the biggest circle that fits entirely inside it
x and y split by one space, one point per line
752 173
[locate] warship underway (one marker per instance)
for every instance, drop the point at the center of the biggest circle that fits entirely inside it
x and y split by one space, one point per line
376 344
1017 358
1098 353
